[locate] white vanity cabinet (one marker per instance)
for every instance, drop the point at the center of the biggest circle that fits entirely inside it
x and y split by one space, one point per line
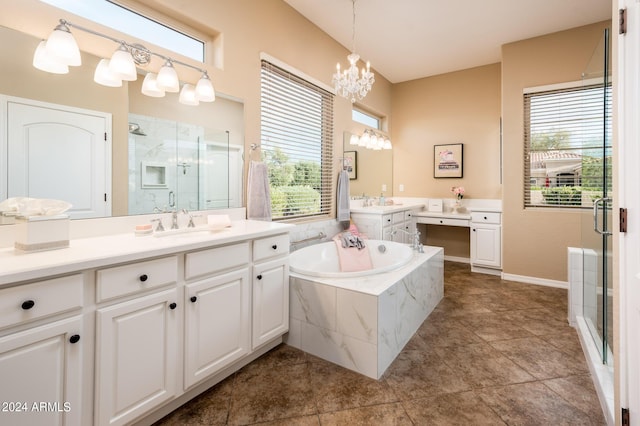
41 366
137 341
486 241
378 223
122 330
270 283
217 303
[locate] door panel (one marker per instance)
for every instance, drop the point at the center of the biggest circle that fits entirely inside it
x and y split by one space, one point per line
69 145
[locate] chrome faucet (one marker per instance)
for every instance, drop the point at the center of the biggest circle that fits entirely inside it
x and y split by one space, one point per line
415 236
174 219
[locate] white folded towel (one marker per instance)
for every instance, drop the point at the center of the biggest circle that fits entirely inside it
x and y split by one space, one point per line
258 195
343 212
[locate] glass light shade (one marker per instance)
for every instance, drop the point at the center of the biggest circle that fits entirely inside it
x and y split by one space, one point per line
122 65
354 140
204 89
168 78
43 61
387 144
373 142
188 95
364 139
104 76
150 86
62 46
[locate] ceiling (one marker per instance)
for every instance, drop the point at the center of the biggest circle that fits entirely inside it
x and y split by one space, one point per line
409 39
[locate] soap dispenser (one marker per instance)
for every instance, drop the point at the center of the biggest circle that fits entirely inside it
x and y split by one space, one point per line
382 200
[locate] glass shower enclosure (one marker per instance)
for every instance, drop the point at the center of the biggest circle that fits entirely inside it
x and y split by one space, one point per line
596 222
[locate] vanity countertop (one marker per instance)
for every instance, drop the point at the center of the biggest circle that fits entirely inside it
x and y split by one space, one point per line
386 209
96 252
444 215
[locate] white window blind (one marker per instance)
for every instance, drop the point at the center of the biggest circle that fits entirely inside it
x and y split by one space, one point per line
296 126
567 138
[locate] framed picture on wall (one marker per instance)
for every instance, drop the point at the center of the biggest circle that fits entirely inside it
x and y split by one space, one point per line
350 163
447 161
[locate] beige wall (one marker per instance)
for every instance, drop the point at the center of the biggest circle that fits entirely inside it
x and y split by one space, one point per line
458 107
535 241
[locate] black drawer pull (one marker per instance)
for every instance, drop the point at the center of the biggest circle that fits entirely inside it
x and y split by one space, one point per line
275 247
259 277
193 299
75 338
143 277
485 218
28 304
441 222
173 306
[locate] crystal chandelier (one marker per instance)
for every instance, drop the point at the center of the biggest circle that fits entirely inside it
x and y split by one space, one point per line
351 83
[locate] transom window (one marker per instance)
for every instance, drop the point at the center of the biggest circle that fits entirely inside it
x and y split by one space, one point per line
296 126
567 152
129 22
366 119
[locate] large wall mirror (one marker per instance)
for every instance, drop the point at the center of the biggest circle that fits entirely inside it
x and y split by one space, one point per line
162 155
373 173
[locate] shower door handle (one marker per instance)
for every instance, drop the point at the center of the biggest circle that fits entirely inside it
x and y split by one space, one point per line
595 215
172 199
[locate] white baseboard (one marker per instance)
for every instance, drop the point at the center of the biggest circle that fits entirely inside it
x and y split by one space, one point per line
457 259
537 281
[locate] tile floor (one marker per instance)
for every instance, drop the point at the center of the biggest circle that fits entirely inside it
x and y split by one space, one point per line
492 353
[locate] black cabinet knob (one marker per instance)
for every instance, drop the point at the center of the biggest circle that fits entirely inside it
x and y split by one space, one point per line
275 246
441 222
173 306
28 304
485 218
193 299
144 277
259 277
75 338
474 230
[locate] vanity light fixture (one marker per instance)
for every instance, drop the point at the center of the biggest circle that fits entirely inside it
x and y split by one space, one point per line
349 83
371 140
60 51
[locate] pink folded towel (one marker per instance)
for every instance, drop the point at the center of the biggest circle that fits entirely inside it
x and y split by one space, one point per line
351 259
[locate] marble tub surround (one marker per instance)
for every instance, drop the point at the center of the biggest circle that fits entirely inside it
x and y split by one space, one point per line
363 323
424 385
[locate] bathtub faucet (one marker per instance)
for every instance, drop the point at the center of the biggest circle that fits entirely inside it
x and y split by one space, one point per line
415 236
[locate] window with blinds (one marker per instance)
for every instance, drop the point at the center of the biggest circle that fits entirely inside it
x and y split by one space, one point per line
567 146
296 132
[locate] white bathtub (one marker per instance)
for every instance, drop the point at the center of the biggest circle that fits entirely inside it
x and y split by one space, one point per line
321 260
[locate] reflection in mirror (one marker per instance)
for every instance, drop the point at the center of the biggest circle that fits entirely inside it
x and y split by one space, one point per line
18 78
179 166
375 170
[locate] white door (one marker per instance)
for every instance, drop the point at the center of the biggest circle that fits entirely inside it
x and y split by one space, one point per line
59 152
627 92
136 357
217 324
42 365
270 300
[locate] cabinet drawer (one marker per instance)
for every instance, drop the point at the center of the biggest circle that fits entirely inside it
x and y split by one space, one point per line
207 262
485 217
265 248
444 221
40 299
387 219
134 278
398 217
408 215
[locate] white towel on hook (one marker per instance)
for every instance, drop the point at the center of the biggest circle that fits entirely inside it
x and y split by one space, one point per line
258 195
343 212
